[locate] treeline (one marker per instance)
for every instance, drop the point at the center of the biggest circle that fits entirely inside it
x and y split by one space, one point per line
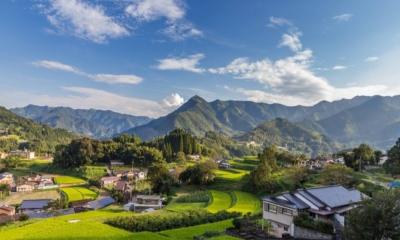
125 148
155 223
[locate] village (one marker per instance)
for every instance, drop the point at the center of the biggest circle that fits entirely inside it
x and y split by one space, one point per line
127 188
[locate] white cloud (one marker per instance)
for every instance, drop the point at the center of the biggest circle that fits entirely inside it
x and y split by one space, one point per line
189 63
113 79
342 17
84 20
339 67
86 98
277 22
54 65
107 78
292 41
150 10
371 59
178 28
174 100
181 31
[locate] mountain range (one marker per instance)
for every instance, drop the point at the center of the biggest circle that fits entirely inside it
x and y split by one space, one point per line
374 120
325 126
88 122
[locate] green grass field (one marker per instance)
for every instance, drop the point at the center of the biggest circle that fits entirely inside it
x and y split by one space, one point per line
90 226
189 232
69 180
79 193
181 207
219 201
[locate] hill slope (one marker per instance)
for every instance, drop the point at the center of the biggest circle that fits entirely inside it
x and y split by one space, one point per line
40 138
285 134
93 123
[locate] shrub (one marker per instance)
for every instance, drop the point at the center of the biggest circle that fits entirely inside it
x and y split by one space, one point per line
303 220
23 217
199 196
155 223
207 235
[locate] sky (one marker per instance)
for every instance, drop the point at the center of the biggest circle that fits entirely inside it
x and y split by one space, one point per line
147 57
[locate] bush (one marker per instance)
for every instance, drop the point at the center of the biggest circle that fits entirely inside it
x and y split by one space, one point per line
207 235
23 217
303 220
155 223
200 196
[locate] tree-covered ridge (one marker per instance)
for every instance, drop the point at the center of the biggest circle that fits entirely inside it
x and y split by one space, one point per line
281 132
89 122
17 132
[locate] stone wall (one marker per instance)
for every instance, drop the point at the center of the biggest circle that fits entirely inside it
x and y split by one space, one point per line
304 233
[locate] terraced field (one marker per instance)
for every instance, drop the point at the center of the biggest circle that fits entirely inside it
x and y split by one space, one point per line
235 201
78 194
69 180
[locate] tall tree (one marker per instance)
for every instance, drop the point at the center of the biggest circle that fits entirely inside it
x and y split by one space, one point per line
376 219
392 165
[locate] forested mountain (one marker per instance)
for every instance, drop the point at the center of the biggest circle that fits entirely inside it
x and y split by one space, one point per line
281 132
89 122
16 131
374 120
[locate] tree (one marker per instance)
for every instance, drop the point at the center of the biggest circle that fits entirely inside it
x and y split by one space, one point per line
199 174
160 178
11 162
260 177
364 154
337 174
377 218
392 165
180 157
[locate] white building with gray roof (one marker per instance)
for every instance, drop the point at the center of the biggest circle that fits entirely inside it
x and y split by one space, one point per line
328 203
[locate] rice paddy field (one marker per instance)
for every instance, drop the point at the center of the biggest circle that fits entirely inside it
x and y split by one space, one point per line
75 194
235 201
68 180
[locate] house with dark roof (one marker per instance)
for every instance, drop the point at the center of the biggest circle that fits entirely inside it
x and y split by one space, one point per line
35 205
328 203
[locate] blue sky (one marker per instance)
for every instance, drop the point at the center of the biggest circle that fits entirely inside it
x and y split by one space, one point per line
146 57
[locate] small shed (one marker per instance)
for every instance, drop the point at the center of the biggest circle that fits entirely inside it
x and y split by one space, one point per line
34 205
99 203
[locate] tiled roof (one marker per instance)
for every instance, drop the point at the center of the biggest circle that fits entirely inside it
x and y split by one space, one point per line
35 204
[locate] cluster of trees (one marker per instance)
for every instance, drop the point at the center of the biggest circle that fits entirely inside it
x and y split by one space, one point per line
261 177
361 156
392 165
199 174
377 218
84 151
177 142
11 162
160 222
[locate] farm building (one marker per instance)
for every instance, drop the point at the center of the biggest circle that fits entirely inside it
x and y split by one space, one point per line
23 154
99 203
6 178
109 181
36 205
143 202
25 187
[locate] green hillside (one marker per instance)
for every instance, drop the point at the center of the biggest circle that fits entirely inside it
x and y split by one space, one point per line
34 136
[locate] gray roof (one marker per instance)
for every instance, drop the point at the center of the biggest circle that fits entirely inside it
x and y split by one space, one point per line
322 197
34 204
100 203
336 196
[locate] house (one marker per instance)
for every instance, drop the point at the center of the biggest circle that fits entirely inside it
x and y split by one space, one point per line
25 187
109 181
36 205
7 211
382 160
140 174
99 203
115 163
7 178
328 203
224 165
3 155
194 157
143 202
23 154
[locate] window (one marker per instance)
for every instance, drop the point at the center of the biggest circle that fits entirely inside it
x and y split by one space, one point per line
272 208
287 211
286 228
